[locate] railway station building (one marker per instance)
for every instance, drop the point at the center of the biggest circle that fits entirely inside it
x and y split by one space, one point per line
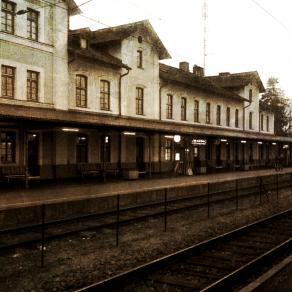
76 102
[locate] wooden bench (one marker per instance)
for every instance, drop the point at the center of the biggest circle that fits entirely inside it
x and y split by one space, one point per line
110 168
12 172
89 169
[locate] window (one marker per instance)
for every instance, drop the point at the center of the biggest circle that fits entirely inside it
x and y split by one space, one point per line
104 95
139 100
228 116
32 24
7 16
7 81
82 149
208 113
83 43
183 109
32 85
218 115
168 149
236 119
262 122
250 95
139 59
8 146
105 154
196 111
169 106
268 124
250 120
81 90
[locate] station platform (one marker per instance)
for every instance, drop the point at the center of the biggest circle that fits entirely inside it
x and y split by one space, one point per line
12 196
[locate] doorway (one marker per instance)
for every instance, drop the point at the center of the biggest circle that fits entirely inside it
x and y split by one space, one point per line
33 154
140 146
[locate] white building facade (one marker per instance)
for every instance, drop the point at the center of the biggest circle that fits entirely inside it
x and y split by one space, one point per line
103 99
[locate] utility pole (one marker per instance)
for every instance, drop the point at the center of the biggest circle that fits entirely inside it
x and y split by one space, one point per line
205 15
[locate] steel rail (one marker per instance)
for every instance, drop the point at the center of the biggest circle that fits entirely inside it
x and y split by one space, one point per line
141 272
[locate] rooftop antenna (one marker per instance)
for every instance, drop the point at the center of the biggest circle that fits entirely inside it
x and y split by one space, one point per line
205 16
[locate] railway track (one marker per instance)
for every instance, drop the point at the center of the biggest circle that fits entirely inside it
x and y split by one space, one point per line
12 238
218 264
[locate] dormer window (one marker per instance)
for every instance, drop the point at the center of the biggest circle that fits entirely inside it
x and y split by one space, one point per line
83 43
139 59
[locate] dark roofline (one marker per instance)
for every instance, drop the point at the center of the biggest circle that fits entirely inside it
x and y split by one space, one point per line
100 57
248 77
73 8
188 78
123 31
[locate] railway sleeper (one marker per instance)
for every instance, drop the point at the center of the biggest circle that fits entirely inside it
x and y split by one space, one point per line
212 262
198 270
179 282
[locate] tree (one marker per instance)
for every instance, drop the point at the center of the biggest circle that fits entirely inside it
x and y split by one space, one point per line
274 101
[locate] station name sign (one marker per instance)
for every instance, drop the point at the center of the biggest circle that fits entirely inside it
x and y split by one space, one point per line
199 142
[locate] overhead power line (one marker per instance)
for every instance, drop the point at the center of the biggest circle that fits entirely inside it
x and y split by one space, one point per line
271 15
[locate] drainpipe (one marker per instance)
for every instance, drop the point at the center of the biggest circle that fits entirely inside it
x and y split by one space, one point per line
120 90
243 115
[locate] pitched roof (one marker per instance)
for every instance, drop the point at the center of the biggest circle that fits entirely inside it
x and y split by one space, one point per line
99 56
91 53
118 33
73 8
176 75
236 80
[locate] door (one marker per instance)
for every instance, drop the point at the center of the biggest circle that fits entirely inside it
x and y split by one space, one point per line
218 154
140 154
33 154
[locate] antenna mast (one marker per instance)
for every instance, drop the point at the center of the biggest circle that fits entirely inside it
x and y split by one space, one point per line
205 15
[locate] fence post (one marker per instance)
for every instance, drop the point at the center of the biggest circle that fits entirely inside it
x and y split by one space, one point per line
236 193
261 183
208 196
277 187
165 210
118 220
43 210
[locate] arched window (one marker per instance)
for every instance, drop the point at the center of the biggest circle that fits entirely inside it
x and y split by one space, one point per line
250 120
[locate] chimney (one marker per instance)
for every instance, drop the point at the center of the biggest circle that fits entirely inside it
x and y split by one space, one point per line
184 66
198 71
224 74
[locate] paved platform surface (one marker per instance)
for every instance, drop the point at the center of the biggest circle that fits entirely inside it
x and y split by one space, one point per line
51 192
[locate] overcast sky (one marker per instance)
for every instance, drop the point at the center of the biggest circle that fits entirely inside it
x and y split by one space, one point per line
242 35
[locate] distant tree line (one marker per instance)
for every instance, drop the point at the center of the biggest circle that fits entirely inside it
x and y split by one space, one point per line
275 101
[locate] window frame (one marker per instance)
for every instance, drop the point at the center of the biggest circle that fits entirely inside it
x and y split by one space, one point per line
5 77
6 147
250 120
31 34
236 119
208 113
250 92
183 107
218 115
228 116
4 17
29 82
140 59
79 89
268 123
168 150
139 101
196 111
169 106
105 90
